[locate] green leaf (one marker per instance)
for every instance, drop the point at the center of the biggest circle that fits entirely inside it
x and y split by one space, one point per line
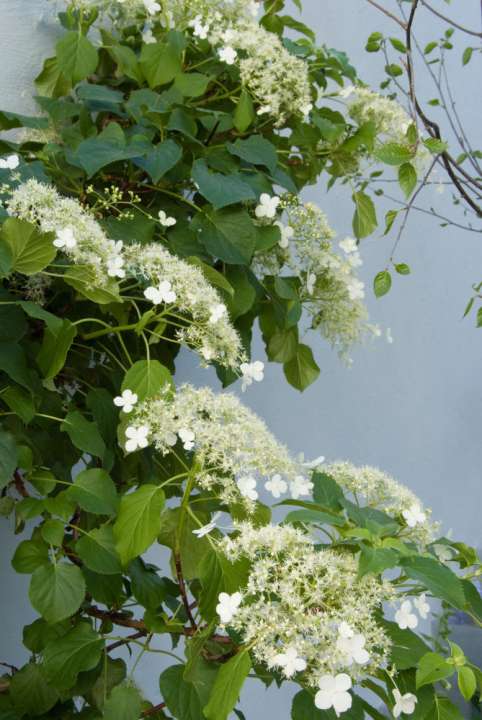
302 369
162 159
97 551
147 378
29 555
244 115
30 692
407 177
283 344
147 587
138 522
29 250
218 575
20 402
113 673
160 62
390 218
192 84
407 648
402 269
124 703
435 145
220 190
444 709
467 55
365 217
432 667
376 560
304 708
83 279
53 532
393 154
229 235
78 651
108 147
181 697
314 517
127 62
255 150
467 682
227 686
77 56
95 492
436 578
51 82
382 283
55 348
8 458
83 434
326 491
57 591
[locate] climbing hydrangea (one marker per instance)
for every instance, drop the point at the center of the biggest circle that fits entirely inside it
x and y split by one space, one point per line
303 603
233 447
82 239
383 492
330 290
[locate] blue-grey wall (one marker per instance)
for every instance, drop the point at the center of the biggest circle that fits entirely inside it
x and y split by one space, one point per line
413 407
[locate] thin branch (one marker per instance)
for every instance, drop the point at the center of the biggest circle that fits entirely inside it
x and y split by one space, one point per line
12 668
182 587
450 21
125 641
434 214
388 13
153 710
430 125
409 207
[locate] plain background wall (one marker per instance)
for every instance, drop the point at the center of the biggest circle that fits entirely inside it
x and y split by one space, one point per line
413 408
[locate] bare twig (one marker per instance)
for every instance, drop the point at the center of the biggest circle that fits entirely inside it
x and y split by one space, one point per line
409 207
432 212
450 21
12 668
153 710
125 641
182 587
388 13
430 125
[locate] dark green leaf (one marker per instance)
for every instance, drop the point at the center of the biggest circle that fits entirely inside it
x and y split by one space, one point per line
55 348
83 434
30 692
8 458
220 190
97 551
160 160
255 150
76 652
436 578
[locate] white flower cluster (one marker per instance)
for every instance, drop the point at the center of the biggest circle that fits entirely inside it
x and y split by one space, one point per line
384 493
390 119
304 608
166 277
330 290
278 80
233 448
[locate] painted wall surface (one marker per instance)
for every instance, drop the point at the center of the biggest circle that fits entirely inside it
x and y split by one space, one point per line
413 407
